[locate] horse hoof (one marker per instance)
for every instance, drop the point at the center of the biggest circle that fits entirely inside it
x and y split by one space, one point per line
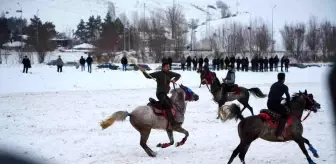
316 156
163 145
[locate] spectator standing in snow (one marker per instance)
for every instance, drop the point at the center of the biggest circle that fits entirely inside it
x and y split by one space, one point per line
82 63
183 62
194 61
189 60
286 61
26 64
59 63
124 63
89 61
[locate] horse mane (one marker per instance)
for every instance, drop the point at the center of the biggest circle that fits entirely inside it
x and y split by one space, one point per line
175 92
296 95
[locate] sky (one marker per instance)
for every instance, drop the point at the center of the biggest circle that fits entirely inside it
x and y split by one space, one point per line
65 14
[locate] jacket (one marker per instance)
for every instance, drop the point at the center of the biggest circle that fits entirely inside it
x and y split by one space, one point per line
230 77
276 92
163 80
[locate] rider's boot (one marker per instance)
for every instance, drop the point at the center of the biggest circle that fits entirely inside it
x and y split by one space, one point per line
280 128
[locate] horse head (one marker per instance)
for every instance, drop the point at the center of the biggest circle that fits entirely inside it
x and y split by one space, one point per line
185 93
310 103
306 101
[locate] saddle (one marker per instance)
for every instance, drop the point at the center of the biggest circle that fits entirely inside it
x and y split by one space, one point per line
209 77
232 89
158 109
272 119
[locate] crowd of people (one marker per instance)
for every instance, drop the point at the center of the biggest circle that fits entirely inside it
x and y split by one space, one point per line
257 64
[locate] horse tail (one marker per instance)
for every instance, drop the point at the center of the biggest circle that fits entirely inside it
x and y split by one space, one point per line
117 116
257 92
229 112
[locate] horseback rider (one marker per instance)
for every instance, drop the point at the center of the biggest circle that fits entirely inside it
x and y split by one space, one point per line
163 79
229 80
274 103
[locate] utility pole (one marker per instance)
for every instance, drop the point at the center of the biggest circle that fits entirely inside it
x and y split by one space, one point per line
272 30
20 11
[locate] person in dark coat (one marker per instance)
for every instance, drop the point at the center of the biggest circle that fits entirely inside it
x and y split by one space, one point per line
282 63
238 61
286 61
89 61
261 64
124 62
274 103
183 62
227 62
26 64
253 64
163 79
232 61
200 63
217 64
214 63
59 64
206 62
271 61
194 61
189 60
82 63
266 64
246 64
276 63
222 63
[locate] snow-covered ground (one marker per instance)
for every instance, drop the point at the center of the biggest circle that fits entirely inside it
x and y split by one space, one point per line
55 117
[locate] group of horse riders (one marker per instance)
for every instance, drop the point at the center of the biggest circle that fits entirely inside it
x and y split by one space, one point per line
168 113
165 76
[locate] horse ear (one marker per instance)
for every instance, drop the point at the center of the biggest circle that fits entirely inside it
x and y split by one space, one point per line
305 91
300 92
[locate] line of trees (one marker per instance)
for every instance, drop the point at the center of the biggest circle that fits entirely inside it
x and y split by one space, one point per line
312 41
39 35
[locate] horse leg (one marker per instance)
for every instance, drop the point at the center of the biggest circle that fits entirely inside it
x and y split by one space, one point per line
171 139
185 132
246 105
300 141
236 151
143 141
243 153
311 148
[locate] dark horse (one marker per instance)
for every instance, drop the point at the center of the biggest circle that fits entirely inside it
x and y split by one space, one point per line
151 116
264 125
241 94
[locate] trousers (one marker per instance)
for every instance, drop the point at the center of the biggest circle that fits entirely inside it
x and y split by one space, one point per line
166 104
282 110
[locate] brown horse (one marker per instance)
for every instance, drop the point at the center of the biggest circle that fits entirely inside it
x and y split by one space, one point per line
241 94
151 116
264 125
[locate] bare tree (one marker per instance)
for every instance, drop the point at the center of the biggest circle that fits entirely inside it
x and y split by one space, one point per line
288 37
313 36
236 41
193 24
299 40
156 37
261 37
328 38
174 16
